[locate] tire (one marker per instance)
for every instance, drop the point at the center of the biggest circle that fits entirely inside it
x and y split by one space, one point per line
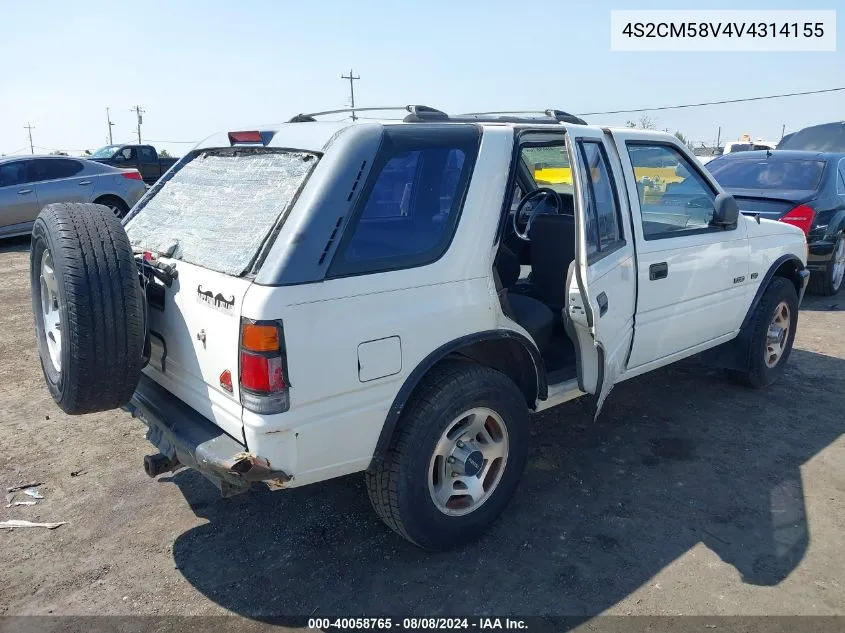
95 305
118 207
401 486
829 282
760 373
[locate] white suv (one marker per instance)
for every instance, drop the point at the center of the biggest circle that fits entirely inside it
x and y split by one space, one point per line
302 302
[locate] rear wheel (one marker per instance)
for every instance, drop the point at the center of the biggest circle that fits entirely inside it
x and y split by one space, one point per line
87 304
829 281
117 206
772 332
456 458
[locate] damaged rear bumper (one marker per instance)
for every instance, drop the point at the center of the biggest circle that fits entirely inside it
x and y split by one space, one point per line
186 439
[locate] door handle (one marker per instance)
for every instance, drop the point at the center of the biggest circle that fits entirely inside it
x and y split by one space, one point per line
602 301
23 192
84 182
658 271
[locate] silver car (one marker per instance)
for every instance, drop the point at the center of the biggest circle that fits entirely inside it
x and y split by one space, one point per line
28 184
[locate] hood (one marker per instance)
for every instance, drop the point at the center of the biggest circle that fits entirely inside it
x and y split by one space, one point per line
770 203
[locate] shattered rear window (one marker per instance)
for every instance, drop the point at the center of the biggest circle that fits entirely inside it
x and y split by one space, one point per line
218 209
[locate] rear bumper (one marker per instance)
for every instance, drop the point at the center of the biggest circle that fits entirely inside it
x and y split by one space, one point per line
188 439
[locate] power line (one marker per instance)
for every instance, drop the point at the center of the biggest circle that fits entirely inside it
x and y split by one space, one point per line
352 78
708 103
185 142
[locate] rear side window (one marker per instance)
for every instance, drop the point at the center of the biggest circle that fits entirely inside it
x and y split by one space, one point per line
764 173
12 174
147 154
218 209
408 212
53 169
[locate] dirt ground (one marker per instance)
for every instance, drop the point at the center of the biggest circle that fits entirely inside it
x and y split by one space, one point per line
690 496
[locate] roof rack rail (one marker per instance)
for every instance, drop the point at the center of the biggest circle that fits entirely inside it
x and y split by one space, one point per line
558 115
423 112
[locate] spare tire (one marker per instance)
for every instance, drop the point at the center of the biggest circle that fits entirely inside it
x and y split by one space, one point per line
88 307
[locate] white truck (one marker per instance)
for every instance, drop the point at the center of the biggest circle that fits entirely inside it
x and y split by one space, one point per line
302 302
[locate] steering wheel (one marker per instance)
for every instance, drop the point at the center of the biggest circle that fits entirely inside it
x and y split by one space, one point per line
540 194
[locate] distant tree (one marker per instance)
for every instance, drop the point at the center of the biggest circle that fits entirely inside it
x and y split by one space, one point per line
683 139
87 152
58 152
645 122
164 154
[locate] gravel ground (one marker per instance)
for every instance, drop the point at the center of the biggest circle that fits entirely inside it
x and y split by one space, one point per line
689 496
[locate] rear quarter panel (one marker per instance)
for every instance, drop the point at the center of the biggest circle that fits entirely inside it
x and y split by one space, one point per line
337 412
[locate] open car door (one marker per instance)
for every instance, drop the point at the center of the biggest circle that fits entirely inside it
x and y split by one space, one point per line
602 280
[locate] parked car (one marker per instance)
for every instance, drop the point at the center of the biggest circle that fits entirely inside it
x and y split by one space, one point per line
144 158
826 137
29 184
805 189
325 298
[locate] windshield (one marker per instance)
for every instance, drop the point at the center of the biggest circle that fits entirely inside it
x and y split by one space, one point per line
768 174
549 166
106 152
219 208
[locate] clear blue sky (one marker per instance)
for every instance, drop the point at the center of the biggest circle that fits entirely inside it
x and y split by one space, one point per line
199 67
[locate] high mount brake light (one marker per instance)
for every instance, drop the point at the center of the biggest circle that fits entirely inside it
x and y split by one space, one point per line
801 216
245 137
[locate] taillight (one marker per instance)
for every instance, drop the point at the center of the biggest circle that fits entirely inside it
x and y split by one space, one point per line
801 216
263 367
132 174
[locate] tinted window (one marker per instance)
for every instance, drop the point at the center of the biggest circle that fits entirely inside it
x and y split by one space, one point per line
674 198
12 173
762 173
408 211
147 154
603 222
53 169
840 184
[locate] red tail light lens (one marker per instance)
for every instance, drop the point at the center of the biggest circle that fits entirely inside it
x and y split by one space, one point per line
244 137
133 174
263 367
261 374
801 216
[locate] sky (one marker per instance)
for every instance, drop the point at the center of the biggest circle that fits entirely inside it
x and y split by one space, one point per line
206 66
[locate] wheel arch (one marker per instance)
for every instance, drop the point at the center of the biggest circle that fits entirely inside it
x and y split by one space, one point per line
786 266
507 351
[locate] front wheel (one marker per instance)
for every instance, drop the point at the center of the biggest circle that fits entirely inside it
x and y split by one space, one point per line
771 334
456 458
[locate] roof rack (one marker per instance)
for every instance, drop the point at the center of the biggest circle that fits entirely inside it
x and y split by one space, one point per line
418 111
427 114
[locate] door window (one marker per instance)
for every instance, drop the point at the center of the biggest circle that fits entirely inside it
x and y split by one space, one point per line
675 199
147 155
13 173
603 220
53 169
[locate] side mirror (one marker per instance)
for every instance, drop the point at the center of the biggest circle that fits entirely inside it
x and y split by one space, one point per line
726 211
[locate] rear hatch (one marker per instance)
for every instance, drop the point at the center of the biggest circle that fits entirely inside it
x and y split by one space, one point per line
211 220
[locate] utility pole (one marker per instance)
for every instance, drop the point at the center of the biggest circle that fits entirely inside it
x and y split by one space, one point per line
138 110
352 78
782 131
111 125
29 127
719 136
